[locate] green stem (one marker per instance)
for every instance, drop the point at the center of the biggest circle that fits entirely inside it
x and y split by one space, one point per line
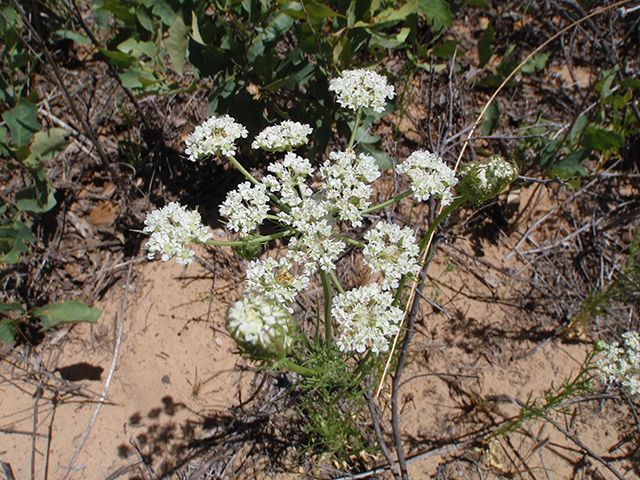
336 282
352 140
307 372
348 240
382 205
427 238
251 178
249 241
326 286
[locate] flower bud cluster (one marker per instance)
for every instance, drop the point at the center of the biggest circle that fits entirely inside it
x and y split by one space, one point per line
481 181
621 364
172 228
261 325
361 88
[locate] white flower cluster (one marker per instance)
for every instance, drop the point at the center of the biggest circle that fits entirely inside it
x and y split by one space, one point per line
393 251
290 179
345 181
274 279
171 229
215 137
367 319
482 180
361 88
429 176
246 207
283 137
621 364
261 325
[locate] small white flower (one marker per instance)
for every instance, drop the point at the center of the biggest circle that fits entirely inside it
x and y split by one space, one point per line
345 183
215 137
285 136
246 207
429 176
361 88
621 364
261 325
171 229
275 279
481 181
393 251
290 179
367 319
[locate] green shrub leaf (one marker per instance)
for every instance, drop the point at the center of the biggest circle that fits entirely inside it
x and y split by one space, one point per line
436 10
23 122
66 312
8 330
601 139
485 52
49 142
177 44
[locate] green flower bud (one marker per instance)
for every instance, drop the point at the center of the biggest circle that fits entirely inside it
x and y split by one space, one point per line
481 181
261 326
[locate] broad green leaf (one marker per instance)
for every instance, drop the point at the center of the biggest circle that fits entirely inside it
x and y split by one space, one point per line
14 242
49 142
119 59
71 35
485 52
11 307
177 44
537 62
144 19
37 198
491 119
570 165
162 9
120 11
319 13
23 122
436 11
601 140
394 15
195 30
8 330
447 49
66 312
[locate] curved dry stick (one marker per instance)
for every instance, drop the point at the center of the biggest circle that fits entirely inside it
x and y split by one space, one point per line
107 384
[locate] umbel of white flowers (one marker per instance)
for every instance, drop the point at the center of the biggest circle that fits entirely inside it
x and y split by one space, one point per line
621 364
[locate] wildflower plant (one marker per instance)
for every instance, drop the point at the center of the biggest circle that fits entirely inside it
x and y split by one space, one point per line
315 211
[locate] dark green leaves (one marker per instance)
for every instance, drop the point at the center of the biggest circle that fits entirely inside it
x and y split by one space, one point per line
67 312
48 316
177 44
485 51
23 122
600 139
